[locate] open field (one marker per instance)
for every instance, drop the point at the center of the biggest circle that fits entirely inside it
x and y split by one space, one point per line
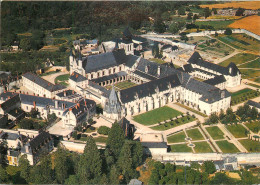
180 148
246 4
254 64
241 41
215 132
254 126
156 115
202 147
159 61
195 134
176 138
237 131
250 23
216 24
239 59
251 146
250 74
227 147
174 123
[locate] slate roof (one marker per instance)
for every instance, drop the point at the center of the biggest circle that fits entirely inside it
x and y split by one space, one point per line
113 105
187 68
154 144
102 89
68 93
253 103
10 102
39 140
9 136
105 60
149 88
127 35
216 80
76 77
219 165
109 77
43 83
144 75
197 59
14 153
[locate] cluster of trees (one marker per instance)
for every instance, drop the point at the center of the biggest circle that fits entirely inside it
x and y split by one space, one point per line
195 174
104 130
243 113
244 96
114 165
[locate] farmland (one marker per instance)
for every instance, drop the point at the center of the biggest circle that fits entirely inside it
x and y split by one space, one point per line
239 59
215 24
247 5
251 23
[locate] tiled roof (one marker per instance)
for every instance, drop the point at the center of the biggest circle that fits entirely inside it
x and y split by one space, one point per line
76 77
43 83
144 75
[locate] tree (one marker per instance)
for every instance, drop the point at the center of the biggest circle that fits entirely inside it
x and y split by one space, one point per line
25 44
207 12
103 130
181 11
114 175
90 165
159 25
73 179
115 140
25 168
195 17
51 117
228 31
61 166
189 17
37 39
208 167
3 175
221 178
216 34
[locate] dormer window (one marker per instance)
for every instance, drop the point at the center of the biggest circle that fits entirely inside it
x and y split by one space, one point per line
230 70
146 69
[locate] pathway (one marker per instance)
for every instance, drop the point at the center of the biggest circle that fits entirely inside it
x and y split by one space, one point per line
51 78
232 138
211 141
189 141
248 61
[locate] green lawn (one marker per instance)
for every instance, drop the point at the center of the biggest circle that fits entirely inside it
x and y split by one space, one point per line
195 134
125 85
239 58
253 64
227 147
215 132
49 73
159 61
250 74
202 147
254 126
238 131
180 148
251 146
156 115
237 93
100 139
173 123
61 79
216 24
176 138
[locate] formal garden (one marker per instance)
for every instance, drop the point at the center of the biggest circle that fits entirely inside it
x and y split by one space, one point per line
122 85
177 138
194 134
239 58
250 145
243 95
227 147
180 148
202 147
215 132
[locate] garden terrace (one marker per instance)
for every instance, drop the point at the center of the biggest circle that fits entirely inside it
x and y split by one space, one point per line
227 147
174 123
202 147
156 115
237 131
215 132
250 145
180 148
243 95
195 134
176 138
254 126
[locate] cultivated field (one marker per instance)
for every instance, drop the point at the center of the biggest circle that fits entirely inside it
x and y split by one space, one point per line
251 23
247 5
216 24
239 59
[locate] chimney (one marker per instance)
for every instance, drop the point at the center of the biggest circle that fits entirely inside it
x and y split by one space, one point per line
56 104
70 109
33 94
8 152
27 149
34 104
72 92
64 93
85 103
